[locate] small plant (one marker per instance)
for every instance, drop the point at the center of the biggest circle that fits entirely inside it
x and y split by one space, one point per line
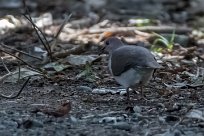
161 40
87 73
141 22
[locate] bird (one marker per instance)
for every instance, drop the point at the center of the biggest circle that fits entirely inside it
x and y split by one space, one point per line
131 66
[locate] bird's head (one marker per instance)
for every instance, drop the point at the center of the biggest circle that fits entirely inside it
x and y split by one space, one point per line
112 44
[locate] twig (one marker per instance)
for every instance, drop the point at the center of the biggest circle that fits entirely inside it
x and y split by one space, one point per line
31 21
75 50
19 71
59 31
156 29
5 66
8 74
47 46
182 118
2 44
11 96
20 59
5 76
63 24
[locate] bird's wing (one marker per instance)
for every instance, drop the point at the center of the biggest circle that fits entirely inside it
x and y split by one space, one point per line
128 57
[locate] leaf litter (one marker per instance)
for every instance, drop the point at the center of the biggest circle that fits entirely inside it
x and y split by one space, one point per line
180 78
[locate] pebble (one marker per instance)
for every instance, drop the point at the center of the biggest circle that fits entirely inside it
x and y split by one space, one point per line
73 119
122 126
84 88
108 120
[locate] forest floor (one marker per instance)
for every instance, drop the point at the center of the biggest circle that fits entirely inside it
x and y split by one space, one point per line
71 91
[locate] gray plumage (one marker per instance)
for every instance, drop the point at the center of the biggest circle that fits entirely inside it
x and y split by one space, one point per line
130 56
130 65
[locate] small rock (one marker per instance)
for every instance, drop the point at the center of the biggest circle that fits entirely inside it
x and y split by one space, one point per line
32 123
108 120
122 126
73 119
37 123
2 113
123 92
9 123
137 109
99 91
170 118
84 88
161 105
2 127
162 119
106 91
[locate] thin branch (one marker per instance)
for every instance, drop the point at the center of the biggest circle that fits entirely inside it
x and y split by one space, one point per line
63 24
2 44
19 59
5 65
182 118
31 21
5 76
47 46
137 30
19 71
8 74
59 31
12 96
37 30
74 50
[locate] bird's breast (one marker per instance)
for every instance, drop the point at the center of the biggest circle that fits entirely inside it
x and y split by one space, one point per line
109 65
132 77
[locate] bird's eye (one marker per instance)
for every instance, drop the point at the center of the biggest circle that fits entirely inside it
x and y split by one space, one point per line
107 42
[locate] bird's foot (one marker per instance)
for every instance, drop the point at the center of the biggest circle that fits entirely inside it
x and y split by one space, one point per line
127 100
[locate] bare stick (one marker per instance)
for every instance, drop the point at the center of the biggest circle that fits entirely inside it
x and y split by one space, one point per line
182 118
31 21
47 46
156 29
8 74
5 76
63 24
5 65
2 44
20 59
59 31
75 50
12 96
19 71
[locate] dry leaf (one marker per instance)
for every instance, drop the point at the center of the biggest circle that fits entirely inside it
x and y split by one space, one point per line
63 110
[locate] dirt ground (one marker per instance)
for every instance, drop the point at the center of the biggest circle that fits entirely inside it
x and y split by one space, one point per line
175 98
96 114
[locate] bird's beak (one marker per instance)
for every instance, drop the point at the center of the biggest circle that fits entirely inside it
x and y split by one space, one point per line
101 50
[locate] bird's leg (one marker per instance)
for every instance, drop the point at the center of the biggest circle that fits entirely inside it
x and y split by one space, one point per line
141 90
139 86
142 94
128 95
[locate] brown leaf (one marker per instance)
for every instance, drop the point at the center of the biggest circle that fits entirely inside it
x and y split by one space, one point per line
59 112
106 35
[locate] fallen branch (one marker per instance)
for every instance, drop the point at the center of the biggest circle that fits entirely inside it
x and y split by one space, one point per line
37 30
53 44
12 96
62 26
8 74
141 30
5 76
75 50
5 65
40 70
2 44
